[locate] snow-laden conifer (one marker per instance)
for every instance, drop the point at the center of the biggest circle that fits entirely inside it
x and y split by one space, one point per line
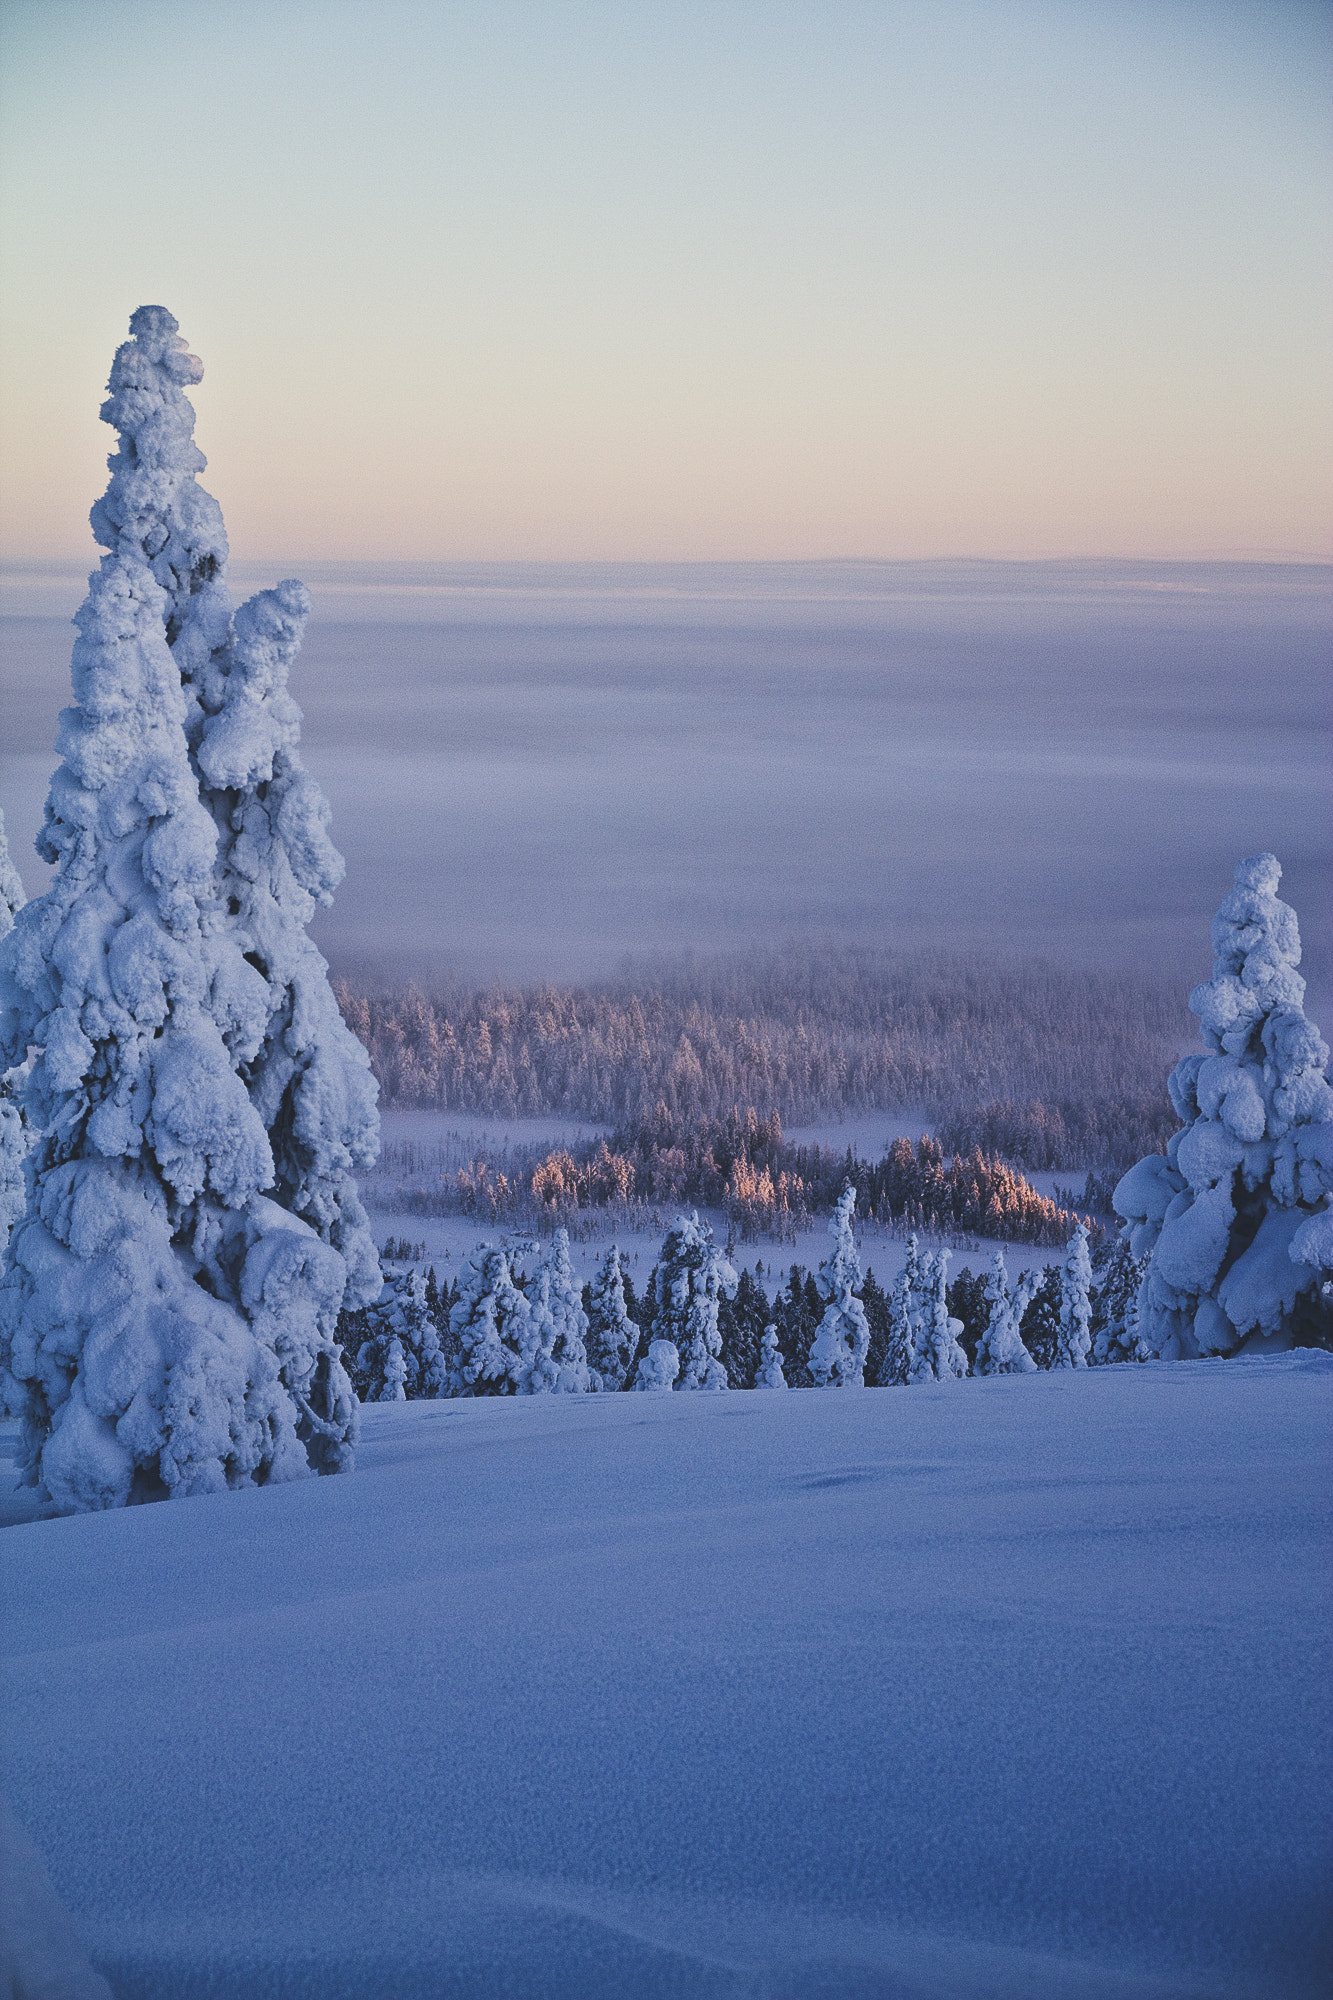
769 1374
1113 1325
1000 1350
1221 1216
400 1328
612 1334
906 1359
1074 1340
686 1286
659 1367
895 1367
838 1356
553 1353
174 1322
939 1356
490 1321
14 1134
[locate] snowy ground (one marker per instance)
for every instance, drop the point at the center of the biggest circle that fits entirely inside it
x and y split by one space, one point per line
1014 1687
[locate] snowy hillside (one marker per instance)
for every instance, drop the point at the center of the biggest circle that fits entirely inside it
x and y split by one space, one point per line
1003 1687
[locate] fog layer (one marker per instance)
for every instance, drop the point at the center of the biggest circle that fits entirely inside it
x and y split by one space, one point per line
535 769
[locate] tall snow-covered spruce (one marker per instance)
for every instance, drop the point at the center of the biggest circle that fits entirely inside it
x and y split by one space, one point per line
838 1355
1233 1216
171 1297
13 1124
684 1293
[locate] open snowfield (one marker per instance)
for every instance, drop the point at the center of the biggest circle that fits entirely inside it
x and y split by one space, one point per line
1010 1687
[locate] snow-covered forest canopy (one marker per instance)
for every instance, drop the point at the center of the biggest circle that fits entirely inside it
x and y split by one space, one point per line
1051 1066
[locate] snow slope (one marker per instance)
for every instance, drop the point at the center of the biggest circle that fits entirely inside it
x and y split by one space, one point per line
1009 1687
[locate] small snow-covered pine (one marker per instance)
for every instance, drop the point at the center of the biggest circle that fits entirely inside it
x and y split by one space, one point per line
490 1321
565 1304
769 1374
1074 1340
1228 1217
685 1289
838 1355
1113 1324
400 1325
939 1356
659 1367
612 1334
907 1305
553 1355
1000 1350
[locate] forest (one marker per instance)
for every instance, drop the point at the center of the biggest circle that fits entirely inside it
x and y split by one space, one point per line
764 1185
1048 1066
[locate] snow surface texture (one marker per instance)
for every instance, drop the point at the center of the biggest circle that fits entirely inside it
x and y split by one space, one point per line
169 1322
1234 1219
838 1352
582 1695
41 1954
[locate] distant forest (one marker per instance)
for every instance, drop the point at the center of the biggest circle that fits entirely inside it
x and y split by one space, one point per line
1045 1066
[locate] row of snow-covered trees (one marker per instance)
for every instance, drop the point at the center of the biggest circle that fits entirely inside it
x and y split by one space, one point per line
516 1322
1050 1066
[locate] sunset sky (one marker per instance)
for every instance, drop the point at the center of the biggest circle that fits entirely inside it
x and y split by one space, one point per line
683 281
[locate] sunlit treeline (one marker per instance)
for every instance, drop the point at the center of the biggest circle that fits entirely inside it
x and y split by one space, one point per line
742 1165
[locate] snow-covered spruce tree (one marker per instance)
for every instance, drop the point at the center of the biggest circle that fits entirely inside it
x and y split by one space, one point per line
689 1280
612 1334
1001 1350
554 1356
1039 1323
938 1350
838 1356
173 1322
1113 1325
400 1326
659 1367
907 1306
1074 1340
769 1374
899 1344
490 1320
14 1135
1221 1217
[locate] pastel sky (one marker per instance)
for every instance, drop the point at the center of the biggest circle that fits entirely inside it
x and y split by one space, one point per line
683 280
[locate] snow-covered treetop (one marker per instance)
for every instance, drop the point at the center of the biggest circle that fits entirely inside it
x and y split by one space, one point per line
1257 947
840 1273
153 511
